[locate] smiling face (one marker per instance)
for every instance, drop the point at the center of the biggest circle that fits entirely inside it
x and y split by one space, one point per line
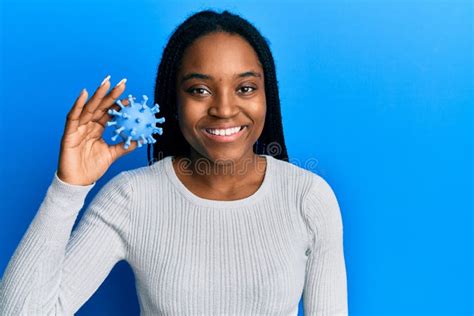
220 85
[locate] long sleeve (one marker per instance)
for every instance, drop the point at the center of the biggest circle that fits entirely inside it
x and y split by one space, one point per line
325 289
54 271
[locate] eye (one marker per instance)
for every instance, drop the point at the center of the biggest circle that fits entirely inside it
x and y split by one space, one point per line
191 90
248 87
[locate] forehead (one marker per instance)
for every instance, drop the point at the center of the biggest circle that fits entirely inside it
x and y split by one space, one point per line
220 54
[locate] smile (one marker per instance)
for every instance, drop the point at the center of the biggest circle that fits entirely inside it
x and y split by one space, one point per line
225 135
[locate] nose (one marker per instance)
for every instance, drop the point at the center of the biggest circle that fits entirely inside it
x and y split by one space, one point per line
224 105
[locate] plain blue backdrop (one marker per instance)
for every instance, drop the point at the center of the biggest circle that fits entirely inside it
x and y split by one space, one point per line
377 94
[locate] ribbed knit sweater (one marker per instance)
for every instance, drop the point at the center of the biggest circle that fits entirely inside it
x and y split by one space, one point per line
190 255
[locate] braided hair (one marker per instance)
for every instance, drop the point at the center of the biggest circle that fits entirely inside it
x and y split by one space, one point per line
172 142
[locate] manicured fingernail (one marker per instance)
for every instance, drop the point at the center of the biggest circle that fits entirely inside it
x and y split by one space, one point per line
105 80
121 82
82 92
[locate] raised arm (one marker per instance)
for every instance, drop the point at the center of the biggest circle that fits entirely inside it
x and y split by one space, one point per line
325 289
54 272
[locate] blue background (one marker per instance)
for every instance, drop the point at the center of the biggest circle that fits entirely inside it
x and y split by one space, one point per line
377 94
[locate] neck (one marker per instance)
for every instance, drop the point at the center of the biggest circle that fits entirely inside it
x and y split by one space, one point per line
222 175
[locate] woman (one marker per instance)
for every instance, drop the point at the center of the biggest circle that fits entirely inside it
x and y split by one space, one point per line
215 224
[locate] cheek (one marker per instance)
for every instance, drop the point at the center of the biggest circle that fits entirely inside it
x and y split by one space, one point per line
189 116
258 111
261 118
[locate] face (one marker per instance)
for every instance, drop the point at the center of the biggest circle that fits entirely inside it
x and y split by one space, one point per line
220 85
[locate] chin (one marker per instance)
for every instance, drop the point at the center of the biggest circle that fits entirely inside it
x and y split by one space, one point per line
224 156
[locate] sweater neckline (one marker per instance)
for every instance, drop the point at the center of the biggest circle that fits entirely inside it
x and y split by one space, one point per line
255 197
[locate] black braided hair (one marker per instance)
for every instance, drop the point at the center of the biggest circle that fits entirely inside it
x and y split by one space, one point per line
172 142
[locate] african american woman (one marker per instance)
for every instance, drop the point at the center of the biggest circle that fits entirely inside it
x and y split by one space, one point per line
218 222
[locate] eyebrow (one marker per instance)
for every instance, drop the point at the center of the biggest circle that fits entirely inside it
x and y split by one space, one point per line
209 77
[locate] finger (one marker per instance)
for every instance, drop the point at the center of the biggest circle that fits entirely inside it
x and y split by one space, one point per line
118 150
72 118
94 101
107 101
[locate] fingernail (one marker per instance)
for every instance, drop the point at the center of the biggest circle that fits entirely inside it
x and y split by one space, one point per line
82 92
121 82
105 80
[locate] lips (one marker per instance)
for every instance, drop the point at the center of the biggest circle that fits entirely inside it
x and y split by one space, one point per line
225 126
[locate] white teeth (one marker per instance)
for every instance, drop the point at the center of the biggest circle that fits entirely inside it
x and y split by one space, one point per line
226 132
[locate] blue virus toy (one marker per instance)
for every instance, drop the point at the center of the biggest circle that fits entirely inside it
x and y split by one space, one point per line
136 122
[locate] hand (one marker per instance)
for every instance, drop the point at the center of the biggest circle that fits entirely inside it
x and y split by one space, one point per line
84 156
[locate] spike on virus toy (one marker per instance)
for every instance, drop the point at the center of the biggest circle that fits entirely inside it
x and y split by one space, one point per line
136 122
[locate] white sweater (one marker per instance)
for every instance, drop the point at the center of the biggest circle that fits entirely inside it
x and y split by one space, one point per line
189 255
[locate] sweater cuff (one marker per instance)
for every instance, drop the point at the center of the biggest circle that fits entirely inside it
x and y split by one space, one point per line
67 194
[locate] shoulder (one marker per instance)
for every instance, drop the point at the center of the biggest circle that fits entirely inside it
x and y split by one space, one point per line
317 202
127 182
288 171
311 191
315 199
292 176
310 186
142 177
308 182
321 211
320 190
